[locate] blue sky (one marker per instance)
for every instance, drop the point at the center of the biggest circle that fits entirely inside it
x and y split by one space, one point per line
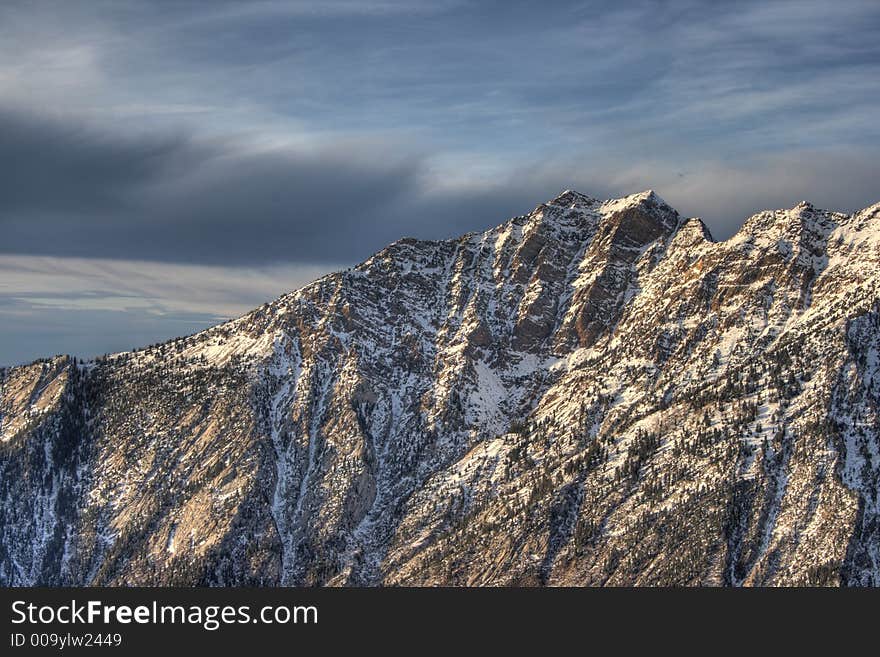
170 164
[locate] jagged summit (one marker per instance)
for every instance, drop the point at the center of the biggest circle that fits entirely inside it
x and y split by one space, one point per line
645 213
802 215
570 198
642 208
694 229
798 222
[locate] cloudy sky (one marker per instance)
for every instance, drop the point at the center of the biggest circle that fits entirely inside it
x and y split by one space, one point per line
166 165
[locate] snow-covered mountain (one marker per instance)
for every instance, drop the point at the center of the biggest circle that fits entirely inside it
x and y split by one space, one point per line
592 393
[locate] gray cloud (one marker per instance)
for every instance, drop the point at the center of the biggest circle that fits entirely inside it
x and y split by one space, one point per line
53 167
70 190
74 191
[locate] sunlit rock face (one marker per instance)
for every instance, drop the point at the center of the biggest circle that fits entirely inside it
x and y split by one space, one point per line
595 393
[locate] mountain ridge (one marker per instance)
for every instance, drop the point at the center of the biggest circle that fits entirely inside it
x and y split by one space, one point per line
595 392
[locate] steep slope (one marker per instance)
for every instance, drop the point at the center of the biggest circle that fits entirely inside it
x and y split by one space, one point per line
593 393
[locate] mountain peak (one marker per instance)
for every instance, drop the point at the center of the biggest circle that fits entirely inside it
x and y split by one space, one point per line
803 216
645 209
694 230
647 197
570 198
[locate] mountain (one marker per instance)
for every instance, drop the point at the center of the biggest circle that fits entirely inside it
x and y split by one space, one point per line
594 393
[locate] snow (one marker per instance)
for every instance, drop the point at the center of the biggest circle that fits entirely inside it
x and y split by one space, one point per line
392 343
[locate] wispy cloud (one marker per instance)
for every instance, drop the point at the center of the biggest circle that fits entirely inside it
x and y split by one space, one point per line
162 288
129 302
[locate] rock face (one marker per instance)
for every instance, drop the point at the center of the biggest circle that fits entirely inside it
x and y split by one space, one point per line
595 393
